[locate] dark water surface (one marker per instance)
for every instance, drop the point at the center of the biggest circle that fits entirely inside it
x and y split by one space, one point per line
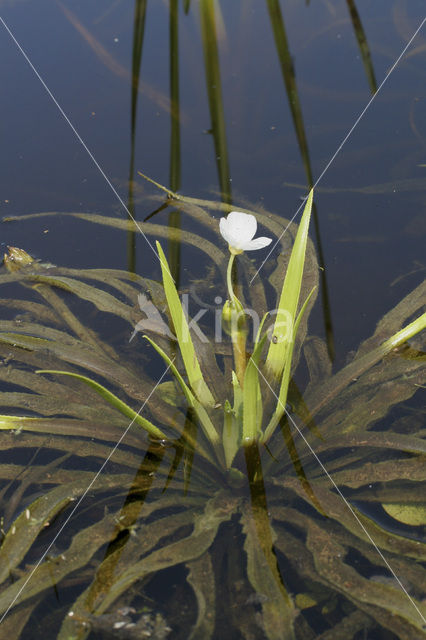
249 112
368 240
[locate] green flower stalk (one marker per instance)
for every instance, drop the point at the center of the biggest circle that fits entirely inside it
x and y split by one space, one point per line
235 323
238 229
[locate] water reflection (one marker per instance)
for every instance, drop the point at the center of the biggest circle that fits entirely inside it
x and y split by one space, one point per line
214 91
289 77
363 45
175 153
138 36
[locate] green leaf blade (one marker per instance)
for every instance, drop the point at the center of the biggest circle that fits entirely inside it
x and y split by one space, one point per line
252 398
285 379
289 299
180 324
112 399
207 425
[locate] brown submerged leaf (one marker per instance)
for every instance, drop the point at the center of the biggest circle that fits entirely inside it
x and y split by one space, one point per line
151 530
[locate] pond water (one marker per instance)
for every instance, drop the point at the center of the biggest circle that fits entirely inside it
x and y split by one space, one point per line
247 103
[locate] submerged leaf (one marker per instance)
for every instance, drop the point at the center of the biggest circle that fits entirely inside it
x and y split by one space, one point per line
412 514
389 604
191 547
201 579
277 608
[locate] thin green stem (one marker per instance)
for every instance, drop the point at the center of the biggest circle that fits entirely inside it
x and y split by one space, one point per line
238 328
229 277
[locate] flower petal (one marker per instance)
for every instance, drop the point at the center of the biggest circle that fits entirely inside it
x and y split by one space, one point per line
257 243
241 228
225 231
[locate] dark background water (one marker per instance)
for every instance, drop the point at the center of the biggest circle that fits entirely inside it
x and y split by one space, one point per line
83 51
370 244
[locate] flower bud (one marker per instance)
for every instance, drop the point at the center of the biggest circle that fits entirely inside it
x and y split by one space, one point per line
233 317
227 312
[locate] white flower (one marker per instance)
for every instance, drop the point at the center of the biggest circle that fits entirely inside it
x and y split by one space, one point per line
239 229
